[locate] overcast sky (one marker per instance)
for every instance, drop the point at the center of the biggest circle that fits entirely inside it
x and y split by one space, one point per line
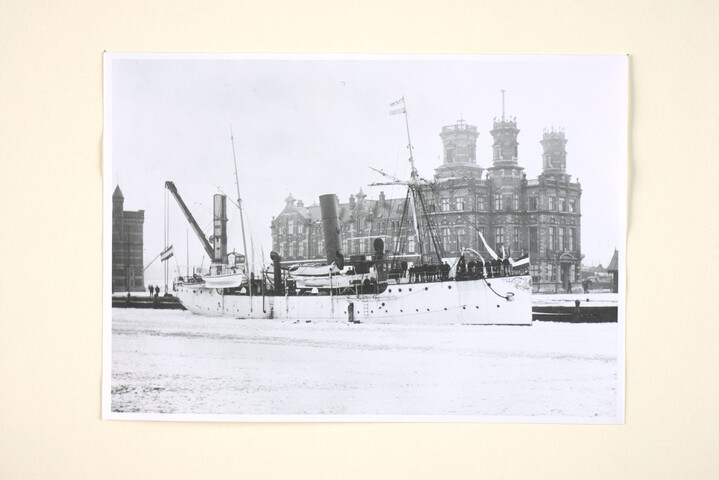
310 125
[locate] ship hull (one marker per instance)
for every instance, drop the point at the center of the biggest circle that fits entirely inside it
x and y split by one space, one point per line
494 301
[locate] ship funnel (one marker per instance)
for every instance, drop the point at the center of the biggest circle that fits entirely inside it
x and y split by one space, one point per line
331 228
219 234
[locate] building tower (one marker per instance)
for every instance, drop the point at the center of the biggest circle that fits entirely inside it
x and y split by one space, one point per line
505 147
127 246
506 184
554 158
460 151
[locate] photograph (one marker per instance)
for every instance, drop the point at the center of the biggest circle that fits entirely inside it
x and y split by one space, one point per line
364 238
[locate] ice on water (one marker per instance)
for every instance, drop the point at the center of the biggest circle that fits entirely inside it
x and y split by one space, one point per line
179 363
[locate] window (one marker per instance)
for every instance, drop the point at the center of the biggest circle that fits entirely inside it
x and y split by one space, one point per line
572 205
411 244
446 238
431 208
515 240
552 203
570 239
290 226
532 203
459 204
497 201
560 238
498 236
562 204
482 204
533 244
459 233
551 239
507 201
301 252
444 205
515 201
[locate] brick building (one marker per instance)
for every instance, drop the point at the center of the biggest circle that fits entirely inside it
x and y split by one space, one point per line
127 246
540 216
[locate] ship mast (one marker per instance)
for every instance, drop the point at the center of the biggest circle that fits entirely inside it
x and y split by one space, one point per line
400 107
239 205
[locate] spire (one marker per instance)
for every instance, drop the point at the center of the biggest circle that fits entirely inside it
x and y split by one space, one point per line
502 103
118 193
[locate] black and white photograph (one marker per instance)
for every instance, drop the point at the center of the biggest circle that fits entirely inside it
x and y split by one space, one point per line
392 238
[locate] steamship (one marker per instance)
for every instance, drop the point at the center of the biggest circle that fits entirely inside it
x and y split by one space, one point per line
379 289
370 290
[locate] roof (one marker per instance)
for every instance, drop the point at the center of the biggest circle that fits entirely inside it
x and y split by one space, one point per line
614 262
117 193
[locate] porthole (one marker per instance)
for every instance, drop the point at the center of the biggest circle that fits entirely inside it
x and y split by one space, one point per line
497 306
399 289
449 287
426 288
410 289
389 290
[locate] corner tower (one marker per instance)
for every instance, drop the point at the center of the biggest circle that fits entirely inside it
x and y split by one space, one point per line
460 151
554 157
505 147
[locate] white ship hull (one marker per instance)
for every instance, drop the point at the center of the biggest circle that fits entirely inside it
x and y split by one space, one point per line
477 301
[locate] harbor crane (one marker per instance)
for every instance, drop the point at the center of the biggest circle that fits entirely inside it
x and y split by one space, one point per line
191 220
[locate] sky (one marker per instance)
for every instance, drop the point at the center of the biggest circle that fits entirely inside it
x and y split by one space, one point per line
310 125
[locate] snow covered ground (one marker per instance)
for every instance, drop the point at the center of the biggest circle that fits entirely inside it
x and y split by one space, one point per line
173 362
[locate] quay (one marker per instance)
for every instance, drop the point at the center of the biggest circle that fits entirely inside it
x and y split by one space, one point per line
128 300
569 308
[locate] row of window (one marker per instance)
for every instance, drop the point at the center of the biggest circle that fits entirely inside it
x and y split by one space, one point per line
451 238
500 202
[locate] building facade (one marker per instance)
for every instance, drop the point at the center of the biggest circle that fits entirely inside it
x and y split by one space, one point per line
539 216
127 246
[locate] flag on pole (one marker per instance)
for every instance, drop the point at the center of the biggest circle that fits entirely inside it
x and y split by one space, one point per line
167 253
396 108
524 260
491 252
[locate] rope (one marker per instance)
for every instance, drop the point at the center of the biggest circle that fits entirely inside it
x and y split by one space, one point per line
506 297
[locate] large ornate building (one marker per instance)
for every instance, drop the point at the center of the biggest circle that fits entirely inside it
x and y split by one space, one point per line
540 216
127 240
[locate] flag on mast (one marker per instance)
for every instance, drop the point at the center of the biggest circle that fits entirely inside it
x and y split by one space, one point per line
167 253
396 108
491 252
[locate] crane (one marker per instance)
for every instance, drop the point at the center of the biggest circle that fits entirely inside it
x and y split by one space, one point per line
198 231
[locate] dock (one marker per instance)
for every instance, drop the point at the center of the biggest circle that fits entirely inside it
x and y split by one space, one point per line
145 301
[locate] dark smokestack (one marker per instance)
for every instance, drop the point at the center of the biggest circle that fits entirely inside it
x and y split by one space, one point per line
279 287
220 228
331 228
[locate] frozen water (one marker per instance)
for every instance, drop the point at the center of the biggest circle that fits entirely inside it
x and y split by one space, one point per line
178 363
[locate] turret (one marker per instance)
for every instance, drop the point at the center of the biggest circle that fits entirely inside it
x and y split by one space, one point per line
505 149
460 151
554 158
118 202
